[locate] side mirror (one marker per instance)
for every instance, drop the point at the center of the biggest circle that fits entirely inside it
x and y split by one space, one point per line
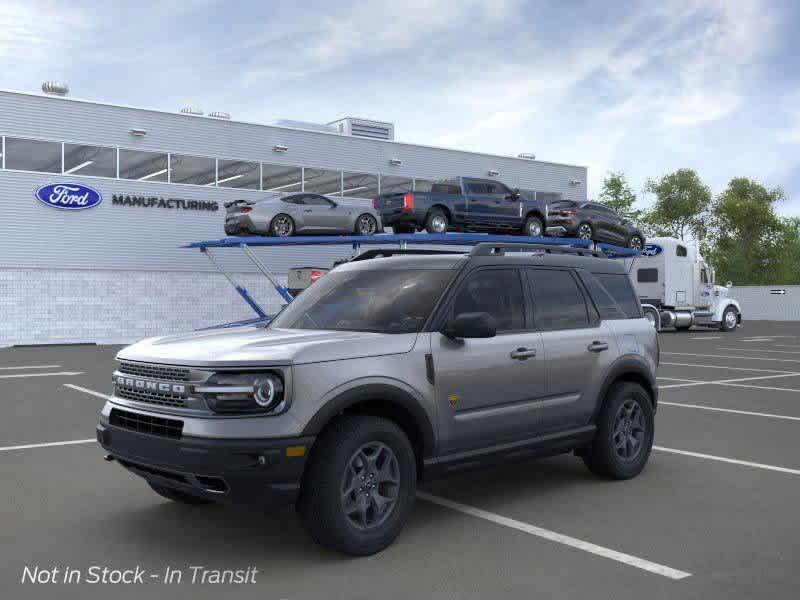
471 325
514 195
333 204
729 285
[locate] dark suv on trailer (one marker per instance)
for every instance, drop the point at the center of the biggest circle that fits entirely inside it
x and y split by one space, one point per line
593 221
389 371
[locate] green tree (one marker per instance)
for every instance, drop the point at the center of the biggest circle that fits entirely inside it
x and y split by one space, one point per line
618 195
681 206
749 243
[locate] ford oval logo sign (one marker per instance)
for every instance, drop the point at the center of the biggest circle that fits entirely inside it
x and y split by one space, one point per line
68 196
652 250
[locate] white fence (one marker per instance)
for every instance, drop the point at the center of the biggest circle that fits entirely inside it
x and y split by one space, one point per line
768 302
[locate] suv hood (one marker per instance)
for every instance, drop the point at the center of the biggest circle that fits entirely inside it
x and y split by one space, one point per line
250 346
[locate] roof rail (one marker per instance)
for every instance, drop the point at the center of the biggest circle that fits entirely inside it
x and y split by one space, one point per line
490 249
386 252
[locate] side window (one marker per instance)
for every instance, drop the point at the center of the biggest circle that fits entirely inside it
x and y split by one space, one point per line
621 290
494 291
647 275
680 251
558 302
491 188
606 305
474 187
316 200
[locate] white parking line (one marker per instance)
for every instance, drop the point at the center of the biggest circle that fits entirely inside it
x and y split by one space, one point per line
794 360
733 461
760 387
47 445
87 391
713 337
30 367
759 350
560 538
728 367
730 410
676 379
64 373
786 345
725 381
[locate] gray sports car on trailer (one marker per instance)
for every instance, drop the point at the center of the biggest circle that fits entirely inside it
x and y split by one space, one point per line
283 215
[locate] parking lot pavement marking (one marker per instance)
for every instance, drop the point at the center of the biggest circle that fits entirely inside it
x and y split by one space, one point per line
729 367
560 538
794 360
759 350
714 337
30 367
727 381
733 461
20 375
760 387
87 391
676 379
47 445
786 345
730 410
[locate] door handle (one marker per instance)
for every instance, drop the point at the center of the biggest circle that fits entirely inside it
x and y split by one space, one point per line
523 354
308 210
597 346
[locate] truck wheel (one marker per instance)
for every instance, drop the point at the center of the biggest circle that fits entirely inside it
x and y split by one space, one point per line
624 435
176 495
651 314
533 227
635 242
281 226
359 486
585 231
436 222
730 319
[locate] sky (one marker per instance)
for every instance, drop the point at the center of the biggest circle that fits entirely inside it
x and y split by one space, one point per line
639 87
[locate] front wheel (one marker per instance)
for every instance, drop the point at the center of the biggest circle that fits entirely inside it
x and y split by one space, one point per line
358 489
533 227
625 430
730 319
366 224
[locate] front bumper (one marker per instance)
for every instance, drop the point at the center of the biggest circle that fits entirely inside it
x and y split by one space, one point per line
260 473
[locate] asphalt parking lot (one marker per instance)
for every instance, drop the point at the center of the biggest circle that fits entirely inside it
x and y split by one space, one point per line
714 515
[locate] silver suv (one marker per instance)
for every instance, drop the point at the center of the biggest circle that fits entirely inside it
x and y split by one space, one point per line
389 371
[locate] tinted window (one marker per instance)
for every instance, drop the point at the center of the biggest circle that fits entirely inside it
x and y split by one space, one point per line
558 302
620 288
647 275
144 166
494 291
33 155
476 188
446 188
323 181
295 199
385 301
280 178
316 201
196 170
238 174
607 307
680 251
90 160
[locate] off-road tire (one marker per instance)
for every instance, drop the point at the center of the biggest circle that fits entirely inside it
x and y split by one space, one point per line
321 504
602 457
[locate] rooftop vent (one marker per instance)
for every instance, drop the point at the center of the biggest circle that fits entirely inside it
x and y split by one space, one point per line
527 155
376 130
216 114
55 88
192 110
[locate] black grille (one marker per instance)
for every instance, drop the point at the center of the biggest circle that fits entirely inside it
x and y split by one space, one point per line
171 428
160 398
154 371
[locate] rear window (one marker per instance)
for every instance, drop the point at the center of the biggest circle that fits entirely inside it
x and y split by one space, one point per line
446 188
621 290
558 301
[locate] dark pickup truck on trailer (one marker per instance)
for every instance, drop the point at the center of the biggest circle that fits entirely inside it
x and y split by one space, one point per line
464 204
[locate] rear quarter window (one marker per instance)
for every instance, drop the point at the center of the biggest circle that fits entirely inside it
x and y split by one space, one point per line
618 285
445 188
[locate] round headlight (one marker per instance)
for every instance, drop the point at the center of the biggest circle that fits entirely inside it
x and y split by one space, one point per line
268 392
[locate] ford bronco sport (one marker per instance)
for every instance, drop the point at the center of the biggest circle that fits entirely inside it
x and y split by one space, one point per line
388 372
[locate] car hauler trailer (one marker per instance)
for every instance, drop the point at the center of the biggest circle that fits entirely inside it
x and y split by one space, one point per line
677 290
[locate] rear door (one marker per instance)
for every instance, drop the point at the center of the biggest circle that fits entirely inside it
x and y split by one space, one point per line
578 347
478 203
487 390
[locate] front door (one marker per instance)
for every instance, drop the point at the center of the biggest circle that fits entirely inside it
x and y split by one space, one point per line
321 214
578 348
504 207
487 389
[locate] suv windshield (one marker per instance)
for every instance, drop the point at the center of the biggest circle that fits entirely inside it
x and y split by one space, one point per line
383 301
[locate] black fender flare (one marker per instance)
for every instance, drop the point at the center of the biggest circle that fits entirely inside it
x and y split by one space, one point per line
376 392
627 366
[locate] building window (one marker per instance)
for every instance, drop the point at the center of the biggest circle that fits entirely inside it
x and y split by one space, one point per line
195 170
396 185
90 160
144 166
360 185
33 155
280 178
323 181
238 174
423 185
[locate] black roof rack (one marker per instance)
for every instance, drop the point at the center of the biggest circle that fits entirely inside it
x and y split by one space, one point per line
491 249
385 252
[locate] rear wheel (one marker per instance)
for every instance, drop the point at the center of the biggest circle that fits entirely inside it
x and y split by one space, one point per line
366 224
177 496
436 222
730 319
533 227
635 242
282 225
625 431
359 486
585 231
